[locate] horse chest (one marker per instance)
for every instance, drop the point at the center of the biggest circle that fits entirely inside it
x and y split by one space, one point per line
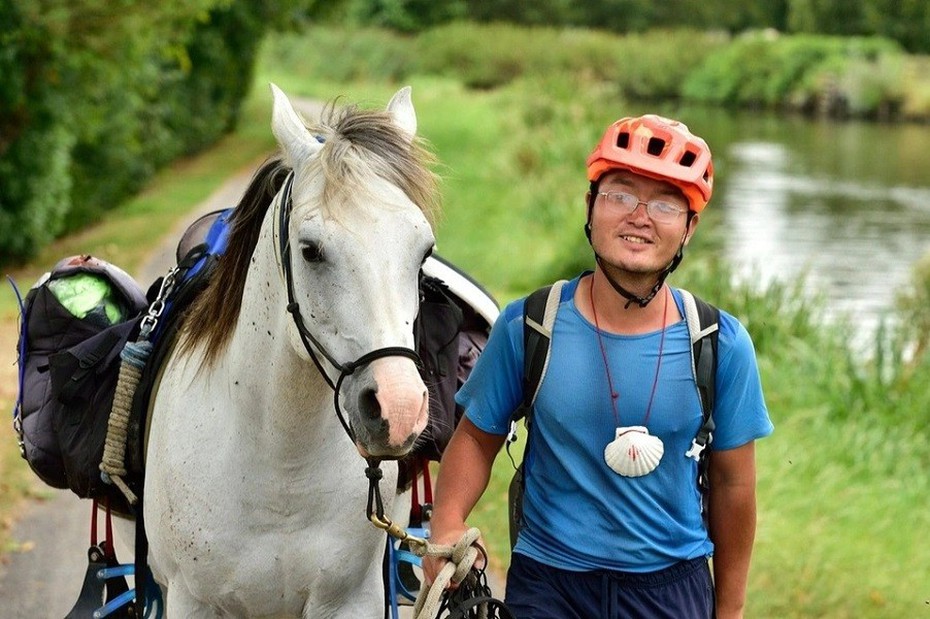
250 571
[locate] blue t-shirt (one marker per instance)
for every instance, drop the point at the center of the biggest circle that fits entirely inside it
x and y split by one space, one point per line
580 515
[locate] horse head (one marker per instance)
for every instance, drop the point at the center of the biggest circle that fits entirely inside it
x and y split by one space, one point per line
353 236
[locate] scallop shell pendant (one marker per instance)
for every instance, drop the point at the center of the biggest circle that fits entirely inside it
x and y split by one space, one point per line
634 452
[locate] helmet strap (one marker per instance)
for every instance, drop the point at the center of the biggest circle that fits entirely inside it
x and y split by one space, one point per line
592 195
632 297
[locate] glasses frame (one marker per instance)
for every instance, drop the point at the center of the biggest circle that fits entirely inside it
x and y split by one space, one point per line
652 210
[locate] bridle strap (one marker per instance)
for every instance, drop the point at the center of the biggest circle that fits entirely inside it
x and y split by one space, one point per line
313 347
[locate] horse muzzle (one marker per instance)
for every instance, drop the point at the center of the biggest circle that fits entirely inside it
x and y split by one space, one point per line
392 409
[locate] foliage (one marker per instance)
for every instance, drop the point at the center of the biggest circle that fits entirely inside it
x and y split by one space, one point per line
404 15
98 95
326 53
66 59
121 90
906 21
914 306
858 77
33 200
34 150
175 103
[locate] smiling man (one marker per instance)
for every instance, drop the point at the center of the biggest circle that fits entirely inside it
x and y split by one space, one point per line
613 522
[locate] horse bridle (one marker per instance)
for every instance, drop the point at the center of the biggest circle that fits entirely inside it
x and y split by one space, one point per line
311 344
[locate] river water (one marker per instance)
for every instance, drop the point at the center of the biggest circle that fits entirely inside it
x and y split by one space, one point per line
844 204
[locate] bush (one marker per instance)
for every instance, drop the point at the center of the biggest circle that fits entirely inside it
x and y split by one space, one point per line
96 98
35 189
333 54
859 77
35 139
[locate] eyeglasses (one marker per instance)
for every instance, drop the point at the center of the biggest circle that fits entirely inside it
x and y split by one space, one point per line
626 203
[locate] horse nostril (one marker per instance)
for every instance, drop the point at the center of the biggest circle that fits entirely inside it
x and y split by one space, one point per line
368 404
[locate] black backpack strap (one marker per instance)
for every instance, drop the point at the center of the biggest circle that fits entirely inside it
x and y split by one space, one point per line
703 325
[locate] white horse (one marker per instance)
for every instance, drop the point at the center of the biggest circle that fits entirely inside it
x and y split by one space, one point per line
254 493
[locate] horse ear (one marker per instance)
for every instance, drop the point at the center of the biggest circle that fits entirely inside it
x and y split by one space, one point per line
401 109
290 130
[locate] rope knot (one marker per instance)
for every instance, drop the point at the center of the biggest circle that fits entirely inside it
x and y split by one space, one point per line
374 472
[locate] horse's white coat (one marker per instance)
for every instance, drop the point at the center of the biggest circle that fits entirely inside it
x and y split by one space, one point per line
255 496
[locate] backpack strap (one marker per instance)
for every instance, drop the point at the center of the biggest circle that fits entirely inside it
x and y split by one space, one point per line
703 326
539 312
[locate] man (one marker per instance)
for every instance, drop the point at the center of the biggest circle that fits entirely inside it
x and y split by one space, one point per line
612 513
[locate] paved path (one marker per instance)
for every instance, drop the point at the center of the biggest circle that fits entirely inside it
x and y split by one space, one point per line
43 575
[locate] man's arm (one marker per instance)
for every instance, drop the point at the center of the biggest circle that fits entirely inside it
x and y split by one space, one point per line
732 524
463 477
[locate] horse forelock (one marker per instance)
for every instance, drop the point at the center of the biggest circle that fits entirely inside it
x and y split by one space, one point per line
361 143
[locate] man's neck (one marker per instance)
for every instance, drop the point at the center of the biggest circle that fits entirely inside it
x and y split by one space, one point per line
614 312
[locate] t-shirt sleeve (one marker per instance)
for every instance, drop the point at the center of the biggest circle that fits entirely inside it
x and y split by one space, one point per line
495 387
740 413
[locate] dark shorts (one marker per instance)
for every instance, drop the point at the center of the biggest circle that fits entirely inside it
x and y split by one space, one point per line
537 591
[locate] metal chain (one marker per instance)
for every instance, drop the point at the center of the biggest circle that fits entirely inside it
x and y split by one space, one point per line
157 308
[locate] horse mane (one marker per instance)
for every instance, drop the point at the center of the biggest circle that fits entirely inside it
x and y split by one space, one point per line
357 144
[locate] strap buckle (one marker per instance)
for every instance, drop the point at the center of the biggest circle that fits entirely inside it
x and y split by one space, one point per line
697 448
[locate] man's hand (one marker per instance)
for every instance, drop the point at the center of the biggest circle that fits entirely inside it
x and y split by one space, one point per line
433 565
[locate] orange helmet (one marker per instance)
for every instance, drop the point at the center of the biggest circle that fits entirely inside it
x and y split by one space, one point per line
659 148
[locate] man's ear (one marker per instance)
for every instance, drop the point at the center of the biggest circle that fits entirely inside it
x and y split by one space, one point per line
692 226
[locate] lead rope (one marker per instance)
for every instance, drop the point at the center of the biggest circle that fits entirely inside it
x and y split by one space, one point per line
462 557
473 591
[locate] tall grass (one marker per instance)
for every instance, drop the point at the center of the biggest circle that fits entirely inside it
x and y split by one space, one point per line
863 77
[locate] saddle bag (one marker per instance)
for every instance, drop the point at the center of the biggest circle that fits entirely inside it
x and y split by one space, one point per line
74 322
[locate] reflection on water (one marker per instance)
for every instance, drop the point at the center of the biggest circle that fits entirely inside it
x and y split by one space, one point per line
846 203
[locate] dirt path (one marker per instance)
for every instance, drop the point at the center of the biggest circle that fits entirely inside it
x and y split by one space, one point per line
42 576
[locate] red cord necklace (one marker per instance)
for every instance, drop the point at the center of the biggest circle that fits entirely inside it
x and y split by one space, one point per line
633 452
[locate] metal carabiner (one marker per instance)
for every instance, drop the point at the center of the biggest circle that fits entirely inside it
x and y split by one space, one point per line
417 544
157 308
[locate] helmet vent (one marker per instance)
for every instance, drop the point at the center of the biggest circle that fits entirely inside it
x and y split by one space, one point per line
623 140
655 146
687 160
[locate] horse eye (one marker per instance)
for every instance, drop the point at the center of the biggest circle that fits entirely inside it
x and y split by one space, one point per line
312 252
